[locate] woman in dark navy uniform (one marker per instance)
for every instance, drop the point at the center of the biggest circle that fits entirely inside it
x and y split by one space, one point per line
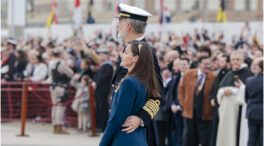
139 84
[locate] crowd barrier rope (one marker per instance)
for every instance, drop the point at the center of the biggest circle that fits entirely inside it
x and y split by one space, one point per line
31 102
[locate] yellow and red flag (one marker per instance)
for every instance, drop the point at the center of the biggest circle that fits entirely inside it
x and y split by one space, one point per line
52 17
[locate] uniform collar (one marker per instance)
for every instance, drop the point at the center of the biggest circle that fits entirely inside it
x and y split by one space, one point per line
140 38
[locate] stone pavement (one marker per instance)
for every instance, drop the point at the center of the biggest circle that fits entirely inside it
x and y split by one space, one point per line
40 134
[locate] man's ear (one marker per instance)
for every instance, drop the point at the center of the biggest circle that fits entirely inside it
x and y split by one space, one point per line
129 26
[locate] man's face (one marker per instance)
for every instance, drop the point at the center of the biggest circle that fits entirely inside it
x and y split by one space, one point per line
121 28
184 65
222 62
236 61
176 66
9 46
205 65
254 66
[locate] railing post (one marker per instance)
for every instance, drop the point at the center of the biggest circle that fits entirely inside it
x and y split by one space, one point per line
10 103
92 108
24 109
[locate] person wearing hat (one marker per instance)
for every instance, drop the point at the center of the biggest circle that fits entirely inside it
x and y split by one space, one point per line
131 26
8 62
131 94
60 73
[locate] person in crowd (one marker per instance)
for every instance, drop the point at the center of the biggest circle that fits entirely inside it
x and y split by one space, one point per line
254 66
170 57
59 74
193 94
8 61
36 70
81 101
202 51
224 63
85 68
131 26
162 115
176 67
231 101
254 100
103 78
139 84
20 65
172 102
215 63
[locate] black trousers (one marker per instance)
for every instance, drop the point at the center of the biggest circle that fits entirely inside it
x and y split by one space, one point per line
162 130
196 131
255 132
152 134
214 126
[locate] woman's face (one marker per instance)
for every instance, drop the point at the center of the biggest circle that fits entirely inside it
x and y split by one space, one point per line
128 60
83 65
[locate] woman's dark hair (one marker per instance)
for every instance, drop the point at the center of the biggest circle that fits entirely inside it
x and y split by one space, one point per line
39 57
86 79
144 69
22 58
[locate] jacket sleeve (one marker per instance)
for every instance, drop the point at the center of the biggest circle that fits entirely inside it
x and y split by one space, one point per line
125 97
181 90
148 112
41 74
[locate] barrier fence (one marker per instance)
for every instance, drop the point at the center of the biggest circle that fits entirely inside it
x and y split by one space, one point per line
33 101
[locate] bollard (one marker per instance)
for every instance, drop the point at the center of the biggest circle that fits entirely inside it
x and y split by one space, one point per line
24 110
92 108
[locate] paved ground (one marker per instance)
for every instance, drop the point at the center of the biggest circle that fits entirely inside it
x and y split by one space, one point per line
41 135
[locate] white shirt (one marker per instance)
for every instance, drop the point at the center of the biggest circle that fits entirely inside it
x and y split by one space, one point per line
140 38
40 72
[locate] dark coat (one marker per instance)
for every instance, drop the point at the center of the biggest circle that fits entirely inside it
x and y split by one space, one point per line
10 62
254 97
103 88
218 79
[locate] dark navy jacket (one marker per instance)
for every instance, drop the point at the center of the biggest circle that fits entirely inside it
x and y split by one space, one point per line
254 97
128 100
120 73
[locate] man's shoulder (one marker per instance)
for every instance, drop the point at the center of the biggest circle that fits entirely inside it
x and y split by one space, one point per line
191 72
251 79
211 75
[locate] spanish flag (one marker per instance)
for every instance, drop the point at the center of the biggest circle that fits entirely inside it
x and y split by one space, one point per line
221 15
52 17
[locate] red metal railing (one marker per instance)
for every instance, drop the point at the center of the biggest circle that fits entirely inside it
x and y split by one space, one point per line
32 100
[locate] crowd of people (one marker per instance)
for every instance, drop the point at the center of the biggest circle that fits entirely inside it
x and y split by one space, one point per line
212 90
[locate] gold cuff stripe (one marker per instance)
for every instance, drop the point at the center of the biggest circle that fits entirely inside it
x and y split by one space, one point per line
152 106
156 103
149 112
125 15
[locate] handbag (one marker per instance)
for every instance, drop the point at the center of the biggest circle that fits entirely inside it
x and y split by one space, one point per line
75 105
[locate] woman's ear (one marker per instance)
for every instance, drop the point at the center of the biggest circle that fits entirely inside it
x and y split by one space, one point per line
135 58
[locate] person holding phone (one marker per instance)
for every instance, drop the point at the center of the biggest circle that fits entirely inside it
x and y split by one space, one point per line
231 99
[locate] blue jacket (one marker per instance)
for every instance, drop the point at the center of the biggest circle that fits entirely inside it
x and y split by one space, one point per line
128 100
254 97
